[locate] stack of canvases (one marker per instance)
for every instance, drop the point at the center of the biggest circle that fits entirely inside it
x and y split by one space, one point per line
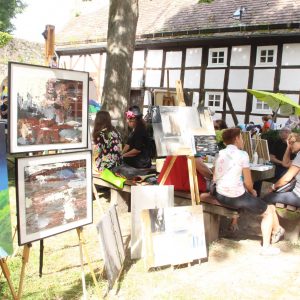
49 111
161 233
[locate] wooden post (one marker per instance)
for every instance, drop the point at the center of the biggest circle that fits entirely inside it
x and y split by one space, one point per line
193 180
81 242
163 180
25 258
179 92
6 273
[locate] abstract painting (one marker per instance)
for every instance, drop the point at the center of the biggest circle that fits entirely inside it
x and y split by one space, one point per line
144 197
54 194
6 244
112 244
48 108
206 145
173 235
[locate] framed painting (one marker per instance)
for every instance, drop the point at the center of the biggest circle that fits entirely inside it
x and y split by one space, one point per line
54 194
6 243
173 235
48 108
112 244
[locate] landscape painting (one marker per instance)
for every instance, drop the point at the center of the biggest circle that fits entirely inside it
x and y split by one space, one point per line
173 235
206 145
112 244
6 243
48 108
54 194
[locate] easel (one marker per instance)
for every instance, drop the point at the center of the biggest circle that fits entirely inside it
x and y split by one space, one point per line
6 273
168 100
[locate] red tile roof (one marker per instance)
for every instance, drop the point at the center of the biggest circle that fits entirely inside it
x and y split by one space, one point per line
185 17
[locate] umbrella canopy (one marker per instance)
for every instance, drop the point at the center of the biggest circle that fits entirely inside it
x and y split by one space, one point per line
277 101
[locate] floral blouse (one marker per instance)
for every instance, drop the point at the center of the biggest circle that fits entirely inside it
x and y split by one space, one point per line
108 150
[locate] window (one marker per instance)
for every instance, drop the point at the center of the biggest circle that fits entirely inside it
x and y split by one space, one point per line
260 105
266 56
214 100
217 57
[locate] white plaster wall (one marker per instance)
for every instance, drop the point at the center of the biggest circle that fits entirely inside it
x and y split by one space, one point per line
214 79
154 59
136 78
78 63
103 61
290 54
263 79
229 120
173 59
173 76
138 59
238 79
240 56
92 62
280 122
256 119
238 101
64 62
290 79
196 98
153 78
215 116
193 57
192 79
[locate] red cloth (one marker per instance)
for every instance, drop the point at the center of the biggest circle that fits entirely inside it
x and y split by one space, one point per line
179 175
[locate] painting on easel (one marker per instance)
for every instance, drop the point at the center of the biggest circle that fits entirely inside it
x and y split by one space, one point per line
173 228
174 127
48 108
6 244
54 194
112 244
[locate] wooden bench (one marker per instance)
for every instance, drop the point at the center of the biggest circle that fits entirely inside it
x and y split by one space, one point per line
289 217
212 209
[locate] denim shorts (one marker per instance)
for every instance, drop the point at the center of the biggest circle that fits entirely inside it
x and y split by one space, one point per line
245 202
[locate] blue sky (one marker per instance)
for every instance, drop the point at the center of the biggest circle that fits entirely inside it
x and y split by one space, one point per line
39 13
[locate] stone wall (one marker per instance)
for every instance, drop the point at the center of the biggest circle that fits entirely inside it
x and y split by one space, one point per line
22 51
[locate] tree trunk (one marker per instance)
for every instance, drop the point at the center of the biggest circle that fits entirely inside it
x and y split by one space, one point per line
122 23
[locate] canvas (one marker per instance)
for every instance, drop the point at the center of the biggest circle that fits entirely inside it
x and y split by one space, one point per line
48 108
54 194
262 148
173 235
206 145
174 127
159 96
112 244
247 144
6 243
144 197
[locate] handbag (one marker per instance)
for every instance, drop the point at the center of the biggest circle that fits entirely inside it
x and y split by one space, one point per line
288 187
112 178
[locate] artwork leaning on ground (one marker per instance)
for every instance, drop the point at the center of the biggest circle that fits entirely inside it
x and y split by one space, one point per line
48 108
112 244
6 243
54 194
173 235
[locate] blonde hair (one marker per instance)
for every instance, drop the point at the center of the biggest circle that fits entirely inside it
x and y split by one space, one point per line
295 136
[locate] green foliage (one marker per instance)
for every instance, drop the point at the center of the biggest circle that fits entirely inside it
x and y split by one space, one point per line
205 1
8 10
5 38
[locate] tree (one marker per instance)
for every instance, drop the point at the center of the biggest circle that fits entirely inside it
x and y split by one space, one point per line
8 10
122 23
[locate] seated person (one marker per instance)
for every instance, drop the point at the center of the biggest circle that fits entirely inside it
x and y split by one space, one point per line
234 188
107 142
4 108
179 174
292 197
136 150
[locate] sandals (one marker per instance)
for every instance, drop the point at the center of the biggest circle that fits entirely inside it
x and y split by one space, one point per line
276 237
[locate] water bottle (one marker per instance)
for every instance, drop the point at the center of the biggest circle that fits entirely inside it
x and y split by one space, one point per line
255 158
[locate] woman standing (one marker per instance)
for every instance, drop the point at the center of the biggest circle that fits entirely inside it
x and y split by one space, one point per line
235 188
107 141
292 197
136 150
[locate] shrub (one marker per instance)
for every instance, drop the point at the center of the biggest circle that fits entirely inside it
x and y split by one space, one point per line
5 38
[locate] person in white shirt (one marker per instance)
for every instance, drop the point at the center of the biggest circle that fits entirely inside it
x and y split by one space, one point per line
234 188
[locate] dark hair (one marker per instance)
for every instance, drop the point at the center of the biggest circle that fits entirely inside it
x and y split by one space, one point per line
103 120
138 116
265 118
220 124
229 135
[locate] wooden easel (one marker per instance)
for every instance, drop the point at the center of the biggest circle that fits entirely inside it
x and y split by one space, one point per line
168 100
6 273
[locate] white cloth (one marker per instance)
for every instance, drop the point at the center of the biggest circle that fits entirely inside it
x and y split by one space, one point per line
296 162
229 171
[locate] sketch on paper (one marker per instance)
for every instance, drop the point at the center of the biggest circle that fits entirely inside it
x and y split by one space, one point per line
48 108
6 243
53 194
144 197
112 244
173 235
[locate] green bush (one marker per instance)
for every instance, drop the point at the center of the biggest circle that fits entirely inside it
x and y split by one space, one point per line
5 38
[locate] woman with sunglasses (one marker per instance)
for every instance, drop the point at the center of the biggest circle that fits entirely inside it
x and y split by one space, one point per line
136 150
292 197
